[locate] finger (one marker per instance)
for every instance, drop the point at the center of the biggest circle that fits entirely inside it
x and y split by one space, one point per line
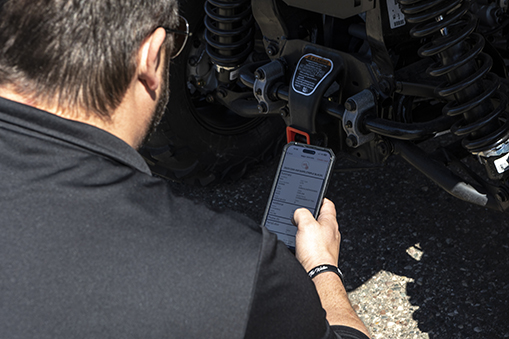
328 207
327 212
301 216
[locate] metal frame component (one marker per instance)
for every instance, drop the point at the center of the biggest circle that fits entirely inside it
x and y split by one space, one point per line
304 106
266 78
356 109
496 151
272 26
403 131
338 8
486 196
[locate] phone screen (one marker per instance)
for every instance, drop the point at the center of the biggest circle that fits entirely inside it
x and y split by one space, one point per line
301 181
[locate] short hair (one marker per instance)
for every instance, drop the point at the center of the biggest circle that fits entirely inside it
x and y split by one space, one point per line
77 54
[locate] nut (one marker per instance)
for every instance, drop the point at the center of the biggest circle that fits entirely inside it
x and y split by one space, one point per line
351 141
350 105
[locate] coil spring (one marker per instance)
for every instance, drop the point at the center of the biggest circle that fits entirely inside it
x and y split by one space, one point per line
229 33
466 68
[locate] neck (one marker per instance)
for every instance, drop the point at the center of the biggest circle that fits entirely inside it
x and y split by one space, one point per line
121 124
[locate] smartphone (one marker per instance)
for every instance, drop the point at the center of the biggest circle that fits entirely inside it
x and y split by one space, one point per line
301 181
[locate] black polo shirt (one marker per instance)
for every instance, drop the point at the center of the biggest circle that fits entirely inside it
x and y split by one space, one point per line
93 246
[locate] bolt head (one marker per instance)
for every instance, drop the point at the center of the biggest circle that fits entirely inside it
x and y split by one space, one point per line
502 195
259 74
209 98
284 112
262 107
385 86
351 141
350 105
271 50
382 148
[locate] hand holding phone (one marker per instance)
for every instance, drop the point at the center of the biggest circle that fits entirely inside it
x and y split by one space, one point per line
301 182
317 241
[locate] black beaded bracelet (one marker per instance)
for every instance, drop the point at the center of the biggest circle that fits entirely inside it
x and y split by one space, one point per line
325 268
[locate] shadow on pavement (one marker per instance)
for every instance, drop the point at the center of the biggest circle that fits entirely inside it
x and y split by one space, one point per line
396 220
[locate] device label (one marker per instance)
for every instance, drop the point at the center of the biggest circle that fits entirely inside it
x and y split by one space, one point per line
502 164
234 75
311 71
396 17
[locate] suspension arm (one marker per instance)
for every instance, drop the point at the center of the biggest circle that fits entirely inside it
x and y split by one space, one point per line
483 196
403 131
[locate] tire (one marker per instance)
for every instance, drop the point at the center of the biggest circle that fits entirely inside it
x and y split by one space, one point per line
200 142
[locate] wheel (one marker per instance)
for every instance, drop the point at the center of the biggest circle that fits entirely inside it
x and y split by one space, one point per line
199 141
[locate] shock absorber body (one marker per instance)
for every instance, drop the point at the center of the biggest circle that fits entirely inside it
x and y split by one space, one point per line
472 91
229 35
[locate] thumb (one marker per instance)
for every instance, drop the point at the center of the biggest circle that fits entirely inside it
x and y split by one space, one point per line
302 215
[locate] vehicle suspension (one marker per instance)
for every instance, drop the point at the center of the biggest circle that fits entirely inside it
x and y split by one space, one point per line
229 35
470 89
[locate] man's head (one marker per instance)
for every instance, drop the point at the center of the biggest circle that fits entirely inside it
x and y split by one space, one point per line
78 56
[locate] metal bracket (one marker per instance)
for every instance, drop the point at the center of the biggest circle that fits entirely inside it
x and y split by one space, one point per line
266 77
356 108
274 31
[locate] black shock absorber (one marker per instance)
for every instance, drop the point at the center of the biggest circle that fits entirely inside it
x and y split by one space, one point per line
229 35
472 91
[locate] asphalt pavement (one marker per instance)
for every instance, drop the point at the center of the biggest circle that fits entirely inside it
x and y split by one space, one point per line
418 263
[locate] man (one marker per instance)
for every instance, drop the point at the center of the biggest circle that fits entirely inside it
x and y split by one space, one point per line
93 246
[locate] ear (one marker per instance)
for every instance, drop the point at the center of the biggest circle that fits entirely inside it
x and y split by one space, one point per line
150 59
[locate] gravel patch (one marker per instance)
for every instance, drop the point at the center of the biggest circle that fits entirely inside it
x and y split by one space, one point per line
383 305
418 262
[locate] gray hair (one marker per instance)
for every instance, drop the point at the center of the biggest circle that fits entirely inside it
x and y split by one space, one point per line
77 54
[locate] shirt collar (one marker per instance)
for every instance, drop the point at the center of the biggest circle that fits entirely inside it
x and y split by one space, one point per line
77 133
